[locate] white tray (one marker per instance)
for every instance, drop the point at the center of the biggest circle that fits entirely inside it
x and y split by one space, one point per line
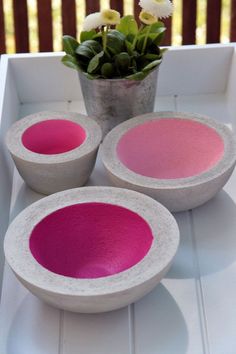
193 310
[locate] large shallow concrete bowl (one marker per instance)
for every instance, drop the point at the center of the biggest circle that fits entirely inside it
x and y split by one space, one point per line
92 249
180 159
54 151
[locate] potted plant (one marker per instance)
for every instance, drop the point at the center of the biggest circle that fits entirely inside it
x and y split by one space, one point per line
118 61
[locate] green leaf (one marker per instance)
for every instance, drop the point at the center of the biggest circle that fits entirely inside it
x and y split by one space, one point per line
98 36
92 77
69 44
137 76
129 48
85 52
122 62
142 62
107 70
71 62
140 42
117 34
150 56
152 65
130 38
88 49
156 32
158 40
133 66
153 36
154 28
154 49
115 42
127 25
95 63
163 50
86 35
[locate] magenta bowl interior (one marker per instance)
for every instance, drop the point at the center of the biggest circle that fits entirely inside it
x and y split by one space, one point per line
170 148
90 240
53 136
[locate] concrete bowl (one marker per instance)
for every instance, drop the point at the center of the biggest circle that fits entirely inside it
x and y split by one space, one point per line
54 151
92 249
180 159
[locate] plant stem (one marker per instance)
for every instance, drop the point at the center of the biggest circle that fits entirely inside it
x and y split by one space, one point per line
145 40
104 38
136 36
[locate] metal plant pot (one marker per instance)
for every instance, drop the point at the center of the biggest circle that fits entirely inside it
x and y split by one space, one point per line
112 101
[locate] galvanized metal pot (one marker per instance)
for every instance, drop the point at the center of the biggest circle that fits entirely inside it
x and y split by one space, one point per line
112 101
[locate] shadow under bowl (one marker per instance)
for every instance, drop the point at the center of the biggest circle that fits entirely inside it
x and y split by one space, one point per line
92 249
180 159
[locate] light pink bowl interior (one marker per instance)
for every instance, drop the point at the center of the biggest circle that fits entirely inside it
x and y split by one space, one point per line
54 136
90 240
170 148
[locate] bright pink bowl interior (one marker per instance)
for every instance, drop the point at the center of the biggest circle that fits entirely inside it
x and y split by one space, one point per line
90 240
170 148
54 136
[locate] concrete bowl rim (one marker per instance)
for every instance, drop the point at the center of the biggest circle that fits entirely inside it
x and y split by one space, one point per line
159 257
15 145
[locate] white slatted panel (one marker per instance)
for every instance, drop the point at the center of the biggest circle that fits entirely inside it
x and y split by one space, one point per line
30 108
101 333
177 306
231 89
26 324
215 238
214 106
111 332
186 72
9 107
168 320
193 310
95 333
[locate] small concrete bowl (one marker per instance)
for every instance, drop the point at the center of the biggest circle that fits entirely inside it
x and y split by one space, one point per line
180 159
54 151
92 249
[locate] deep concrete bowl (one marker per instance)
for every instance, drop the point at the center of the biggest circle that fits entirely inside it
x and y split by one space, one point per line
92 249
54 151
180 159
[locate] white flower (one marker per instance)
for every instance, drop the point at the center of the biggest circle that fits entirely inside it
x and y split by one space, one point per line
103 18
147 18
93 21
158 8
110 17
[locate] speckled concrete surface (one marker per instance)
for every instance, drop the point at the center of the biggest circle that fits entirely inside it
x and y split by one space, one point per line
176 194
53 173
105 293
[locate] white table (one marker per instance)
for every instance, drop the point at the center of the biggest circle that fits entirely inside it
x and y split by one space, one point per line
193 310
